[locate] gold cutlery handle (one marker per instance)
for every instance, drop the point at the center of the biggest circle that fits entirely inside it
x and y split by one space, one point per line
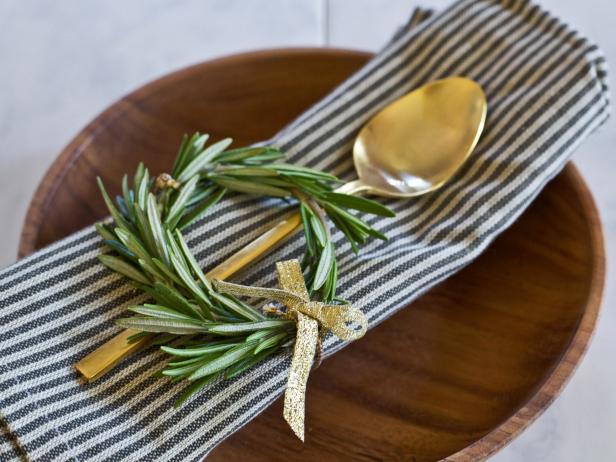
257 248
109 354
115 350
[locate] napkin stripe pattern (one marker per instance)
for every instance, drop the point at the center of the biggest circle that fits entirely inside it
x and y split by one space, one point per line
546 90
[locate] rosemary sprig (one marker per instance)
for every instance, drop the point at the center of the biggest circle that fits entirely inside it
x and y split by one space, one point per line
215 334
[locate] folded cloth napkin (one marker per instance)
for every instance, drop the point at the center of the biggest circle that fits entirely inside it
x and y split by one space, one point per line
546 89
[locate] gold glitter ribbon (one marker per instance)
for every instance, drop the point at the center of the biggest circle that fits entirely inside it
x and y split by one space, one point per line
344 321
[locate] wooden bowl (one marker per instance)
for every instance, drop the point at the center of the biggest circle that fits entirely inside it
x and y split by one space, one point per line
458 373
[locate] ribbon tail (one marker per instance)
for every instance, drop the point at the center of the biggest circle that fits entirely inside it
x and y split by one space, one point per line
346 322
281 296
291 278
303 356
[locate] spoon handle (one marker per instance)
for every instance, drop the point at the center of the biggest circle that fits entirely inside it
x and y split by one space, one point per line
257 248
116 349
353 188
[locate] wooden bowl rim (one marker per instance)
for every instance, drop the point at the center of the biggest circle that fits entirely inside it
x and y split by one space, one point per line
551 388
518 421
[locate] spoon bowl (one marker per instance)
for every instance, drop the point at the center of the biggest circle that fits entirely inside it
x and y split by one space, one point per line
418 142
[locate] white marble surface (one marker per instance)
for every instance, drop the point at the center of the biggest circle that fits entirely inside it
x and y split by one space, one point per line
63 61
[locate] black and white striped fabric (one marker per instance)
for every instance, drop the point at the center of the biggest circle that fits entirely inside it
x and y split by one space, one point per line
546 89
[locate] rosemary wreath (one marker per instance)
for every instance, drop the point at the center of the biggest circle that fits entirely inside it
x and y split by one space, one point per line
214 334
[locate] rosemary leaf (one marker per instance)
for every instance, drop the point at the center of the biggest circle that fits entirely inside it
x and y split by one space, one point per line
152 269
250 171
166 271
191 285
260 189
192 352
361 204
269 342
118 247
144 230
305 213
138 336
175 212
265 157
157 311
185 362
139 173
176 300
156 229
180 158
187 369
197 145
242 328
319 230
191 264
202 159
258 335
355 222
194 388
190 259
324 267
142 189
171 326
256 154
128 196
115 213
225 360
104 232
238 307
132 243
342 226
296 170
184 371
199 209
126 269
201 192
247 363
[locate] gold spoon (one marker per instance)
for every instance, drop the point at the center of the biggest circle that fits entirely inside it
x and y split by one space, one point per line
411 147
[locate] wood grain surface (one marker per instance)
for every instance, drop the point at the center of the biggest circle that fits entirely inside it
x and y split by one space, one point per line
455 375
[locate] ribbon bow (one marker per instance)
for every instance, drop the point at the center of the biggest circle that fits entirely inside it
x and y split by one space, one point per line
309 316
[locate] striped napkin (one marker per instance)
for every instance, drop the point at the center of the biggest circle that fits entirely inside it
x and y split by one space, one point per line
546 89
